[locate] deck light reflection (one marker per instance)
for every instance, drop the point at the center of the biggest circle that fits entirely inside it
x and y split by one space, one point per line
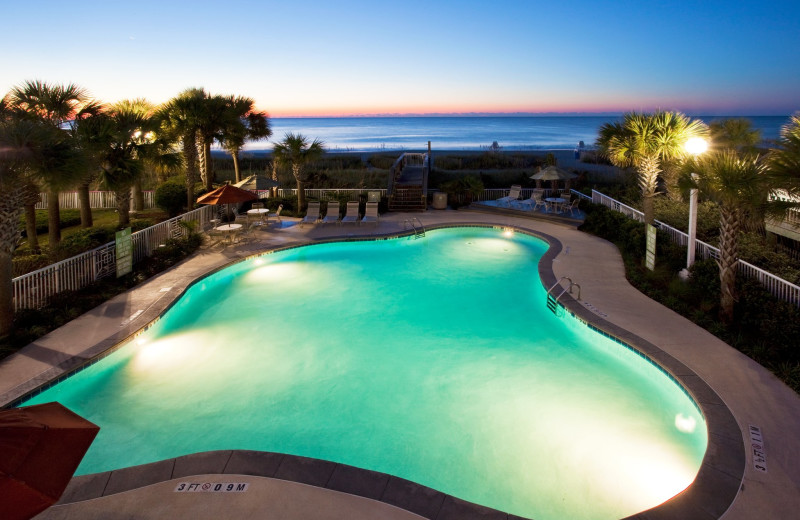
685 424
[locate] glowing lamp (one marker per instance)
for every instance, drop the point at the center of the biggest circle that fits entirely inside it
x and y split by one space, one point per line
696 145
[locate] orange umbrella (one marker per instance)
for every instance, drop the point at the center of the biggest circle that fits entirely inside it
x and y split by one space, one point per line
226 195
41 446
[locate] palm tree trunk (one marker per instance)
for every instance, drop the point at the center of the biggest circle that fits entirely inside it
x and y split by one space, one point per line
209 166
30 228
729 225
235 156
648 182
190 156
301 192
10 207
53 220
30 198
138 196
86 205
123 207
274 192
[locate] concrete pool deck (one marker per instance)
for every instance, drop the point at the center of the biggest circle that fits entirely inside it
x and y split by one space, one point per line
753 395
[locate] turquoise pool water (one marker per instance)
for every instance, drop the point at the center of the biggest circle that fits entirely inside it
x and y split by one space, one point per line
434 360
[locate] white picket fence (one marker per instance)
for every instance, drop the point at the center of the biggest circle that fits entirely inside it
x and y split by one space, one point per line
779 287
34 289
97 200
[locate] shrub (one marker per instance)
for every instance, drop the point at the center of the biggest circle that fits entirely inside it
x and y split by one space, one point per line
171 197
67 217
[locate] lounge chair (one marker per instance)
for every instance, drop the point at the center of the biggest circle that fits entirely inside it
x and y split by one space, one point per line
371 213
533 202
276 215
513 194
312 214
351 213
332 216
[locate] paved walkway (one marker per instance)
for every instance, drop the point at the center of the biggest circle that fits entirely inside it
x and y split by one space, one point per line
753 395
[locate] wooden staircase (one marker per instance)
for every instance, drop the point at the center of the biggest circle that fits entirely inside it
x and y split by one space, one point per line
408 183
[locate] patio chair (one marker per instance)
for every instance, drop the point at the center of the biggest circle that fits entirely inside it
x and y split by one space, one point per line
573 207
371 213
312 214
351 213
513 194
332 217
533 202
258 205
276 215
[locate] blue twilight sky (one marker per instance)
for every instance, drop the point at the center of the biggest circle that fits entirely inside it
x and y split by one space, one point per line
415 56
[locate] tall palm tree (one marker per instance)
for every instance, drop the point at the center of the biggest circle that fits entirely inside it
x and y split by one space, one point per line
643 141
295 151
130 136
181 118
216 116
740 184
88 131
784 160
29 149
57 105
246 123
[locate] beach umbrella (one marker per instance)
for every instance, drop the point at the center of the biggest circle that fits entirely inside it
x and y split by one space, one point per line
41 446
257 182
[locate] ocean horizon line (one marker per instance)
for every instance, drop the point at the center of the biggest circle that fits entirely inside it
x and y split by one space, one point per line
506 114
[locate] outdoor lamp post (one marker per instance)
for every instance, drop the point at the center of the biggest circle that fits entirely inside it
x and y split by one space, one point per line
694 146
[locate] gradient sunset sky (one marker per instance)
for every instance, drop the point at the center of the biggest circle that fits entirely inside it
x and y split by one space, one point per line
374 57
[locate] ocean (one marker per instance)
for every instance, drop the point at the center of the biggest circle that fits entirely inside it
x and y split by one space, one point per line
371 134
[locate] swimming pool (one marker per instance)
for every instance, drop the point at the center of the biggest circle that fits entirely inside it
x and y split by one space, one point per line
434 360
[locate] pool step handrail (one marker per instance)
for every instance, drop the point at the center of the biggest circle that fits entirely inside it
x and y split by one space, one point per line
416 225
552 300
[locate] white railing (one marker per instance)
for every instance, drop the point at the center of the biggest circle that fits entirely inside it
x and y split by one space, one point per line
353 194
97 200
34 289
496 193
779 287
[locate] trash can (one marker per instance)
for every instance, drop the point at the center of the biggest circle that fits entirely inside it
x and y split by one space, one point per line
439 200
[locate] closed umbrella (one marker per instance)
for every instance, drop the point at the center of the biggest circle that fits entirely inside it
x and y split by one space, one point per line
41 446
553 174
257 182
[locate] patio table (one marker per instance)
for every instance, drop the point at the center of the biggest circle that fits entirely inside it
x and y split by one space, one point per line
556 202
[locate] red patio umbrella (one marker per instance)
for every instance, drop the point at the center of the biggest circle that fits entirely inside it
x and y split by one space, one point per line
41 446
227 195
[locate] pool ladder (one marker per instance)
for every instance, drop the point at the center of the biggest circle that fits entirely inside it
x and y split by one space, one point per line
416 225
552 300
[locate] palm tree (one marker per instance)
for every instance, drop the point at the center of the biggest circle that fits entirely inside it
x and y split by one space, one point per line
181 118
295 151
29 149
246 123
734 133
644 141
130 136
88 131
740 184
216 116
784 160
57 105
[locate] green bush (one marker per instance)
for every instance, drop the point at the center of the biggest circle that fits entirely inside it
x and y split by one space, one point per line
171 197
